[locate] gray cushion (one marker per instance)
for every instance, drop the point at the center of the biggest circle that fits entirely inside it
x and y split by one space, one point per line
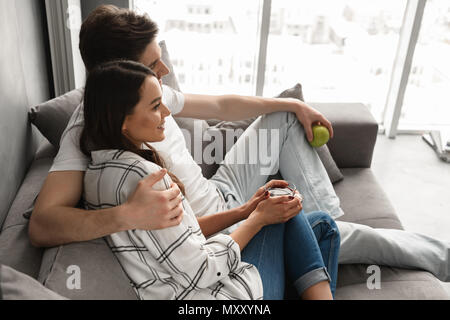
396 284
363 200
101 274
52 117
333 171
15 285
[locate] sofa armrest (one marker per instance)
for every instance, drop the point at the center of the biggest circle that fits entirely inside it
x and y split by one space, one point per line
355 133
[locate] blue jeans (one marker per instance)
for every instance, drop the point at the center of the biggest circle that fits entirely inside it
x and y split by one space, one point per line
274 143
304 250
248 165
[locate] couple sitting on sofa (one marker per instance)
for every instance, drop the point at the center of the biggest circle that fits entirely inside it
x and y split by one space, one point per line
124 109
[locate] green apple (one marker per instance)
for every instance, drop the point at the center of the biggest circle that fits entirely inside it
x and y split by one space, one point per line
321 135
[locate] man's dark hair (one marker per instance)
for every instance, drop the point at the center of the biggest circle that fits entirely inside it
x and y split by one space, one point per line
111 33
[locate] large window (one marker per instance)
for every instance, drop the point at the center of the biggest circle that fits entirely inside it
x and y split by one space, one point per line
212 44
427 97
340 50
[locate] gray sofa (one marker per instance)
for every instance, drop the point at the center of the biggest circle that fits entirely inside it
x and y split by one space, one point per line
363 201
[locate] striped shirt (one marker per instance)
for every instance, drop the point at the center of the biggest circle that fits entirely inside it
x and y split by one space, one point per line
172 263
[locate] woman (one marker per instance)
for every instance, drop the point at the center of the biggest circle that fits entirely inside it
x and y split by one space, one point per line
123 110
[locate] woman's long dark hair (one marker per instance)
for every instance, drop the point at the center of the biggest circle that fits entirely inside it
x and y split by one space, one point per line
112 91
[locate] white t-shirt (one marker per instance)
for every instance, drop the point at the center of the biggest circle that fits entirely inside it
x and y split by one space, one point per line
203 195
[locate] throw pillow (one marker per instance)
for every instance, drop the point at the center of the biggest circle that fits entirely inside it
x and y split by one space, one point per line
15 285
51 117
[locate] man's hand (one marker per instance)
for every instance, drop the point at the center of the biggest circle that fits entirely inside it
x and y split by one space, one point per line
149 209
309 116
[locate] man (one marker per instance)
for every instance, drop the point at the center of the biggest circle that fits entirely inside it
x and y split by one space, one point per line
111 33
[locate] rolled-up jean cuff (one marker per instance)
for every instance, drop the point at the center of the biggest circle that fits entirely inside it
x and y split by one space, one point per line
311 278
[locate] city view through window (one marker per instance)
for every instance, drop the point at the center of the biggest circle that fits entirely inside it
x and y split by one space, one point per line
340 50
212 45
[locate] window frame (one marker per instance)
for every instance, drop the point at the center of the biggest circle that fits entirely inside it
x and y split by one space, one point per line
65 75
